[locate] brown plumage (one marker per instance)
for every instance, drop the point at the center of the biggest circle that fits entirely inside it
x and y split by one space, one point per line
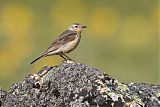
65 43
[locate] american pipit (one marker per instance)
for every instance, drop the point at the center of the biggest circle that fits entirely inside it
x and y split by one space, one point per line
65 43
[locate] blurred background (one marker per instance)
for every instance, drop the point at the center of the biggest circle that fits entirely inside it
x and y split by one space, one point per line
121 38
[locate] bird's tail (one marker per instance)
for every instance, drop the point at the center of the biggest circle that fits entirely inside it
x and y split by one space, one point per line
37 59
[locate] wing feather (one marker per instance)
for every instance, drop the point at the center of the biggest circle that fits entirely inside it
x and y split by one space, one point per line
64 38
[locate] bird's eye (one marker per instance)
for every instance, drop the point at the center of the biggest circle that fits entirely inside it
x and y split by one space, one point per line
76 26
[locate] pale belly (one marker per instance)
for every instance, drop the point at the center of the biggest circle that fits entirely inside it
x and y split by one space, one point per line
70 46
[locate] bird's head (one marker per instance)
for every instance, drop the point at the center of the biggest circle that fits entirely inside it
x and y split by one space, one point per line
76 27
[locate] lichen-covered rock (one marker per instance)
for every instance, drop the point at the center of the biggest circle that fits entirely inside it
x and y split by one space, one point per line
2 97
78 85
149 94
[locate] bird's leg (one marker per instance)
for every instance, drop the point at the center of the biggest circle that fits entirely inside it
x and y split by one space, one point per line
67 57
62 56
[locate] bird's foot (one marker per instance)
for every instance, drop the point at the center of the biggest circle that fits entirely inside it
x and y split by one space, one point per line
69 61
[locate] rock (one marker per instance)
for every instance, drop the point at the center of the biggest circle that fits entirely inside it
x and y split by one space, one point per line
78 85
2 97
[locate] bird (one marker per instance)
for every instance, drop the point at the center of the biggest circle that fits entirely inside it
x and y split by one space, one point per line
65 42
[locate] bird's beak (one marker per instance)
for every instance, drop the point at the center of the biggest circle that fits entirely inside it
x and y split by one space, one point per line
84 26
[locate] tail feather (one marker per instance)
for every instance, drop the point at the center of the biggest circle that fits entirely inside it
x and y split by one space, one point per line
37 59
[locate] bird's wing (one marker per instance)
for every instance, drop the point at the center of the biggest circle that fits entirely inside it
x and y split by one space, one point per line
64 38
